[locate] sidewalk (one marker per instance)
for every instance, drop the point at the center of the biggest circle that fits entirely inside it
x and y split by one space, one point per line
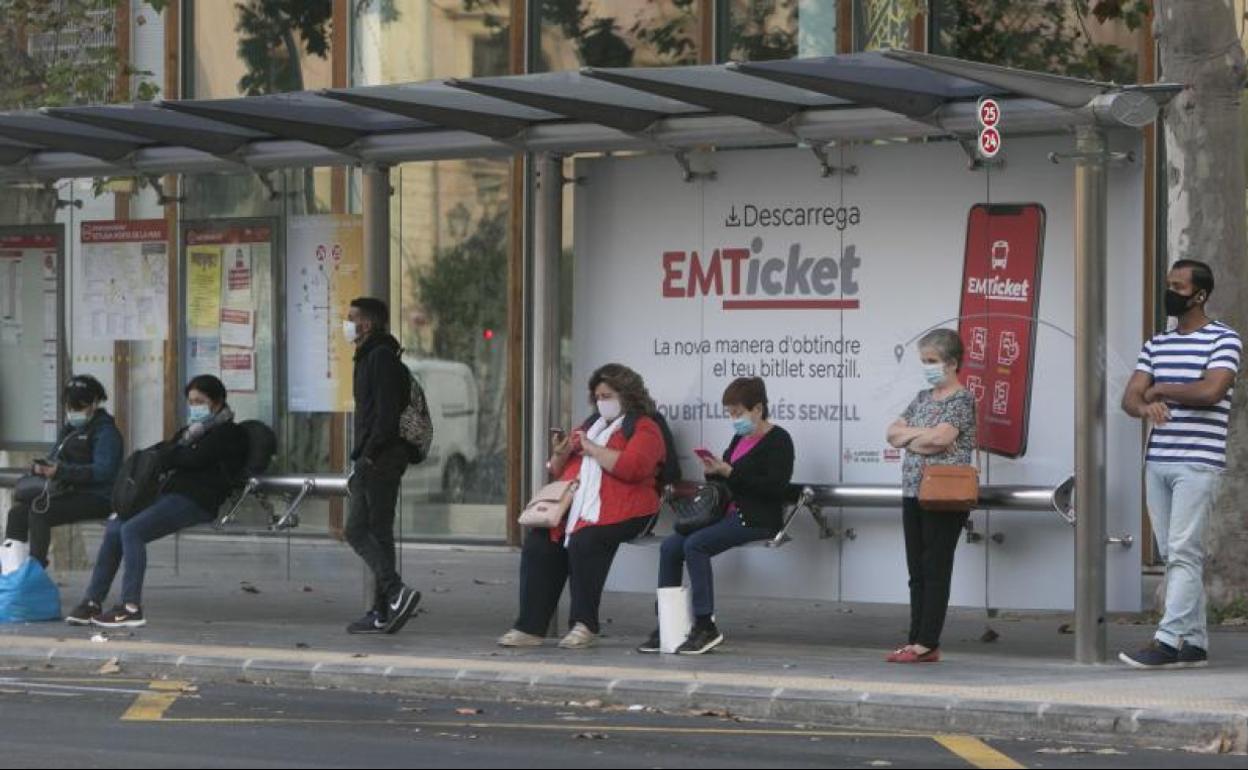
792 660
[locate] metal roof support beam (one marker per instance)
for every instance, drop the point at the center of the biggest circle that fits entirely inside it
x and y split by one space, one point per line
543 396
376 195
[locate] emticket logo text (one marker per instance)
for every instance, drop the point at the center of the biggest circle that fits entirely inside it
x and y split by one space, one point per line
747 279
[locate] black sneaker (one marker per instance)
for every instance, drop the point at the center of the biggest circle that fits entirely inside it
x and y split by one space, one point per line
84 613
372 623
120 616
651 644
701 639
1156 655
400 609
1191 656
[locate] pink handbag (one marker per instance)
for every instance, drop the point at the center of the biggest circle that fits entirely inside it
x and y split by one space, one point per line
548 507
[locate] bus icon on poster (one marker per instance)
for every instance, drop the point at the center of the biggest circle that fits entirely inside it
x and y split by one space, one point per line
1000 255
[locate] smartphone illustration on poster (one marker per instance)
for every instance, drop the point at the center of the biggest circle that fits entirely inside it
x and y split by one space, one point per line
997 319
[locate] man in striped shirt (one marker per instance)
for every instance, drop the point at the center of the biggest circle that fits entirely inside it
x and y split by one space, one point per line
1182 386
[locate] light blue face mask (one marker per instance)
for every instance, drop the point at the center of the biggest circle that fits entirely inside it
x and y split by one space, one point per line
743 426
934 374
198 412
77 419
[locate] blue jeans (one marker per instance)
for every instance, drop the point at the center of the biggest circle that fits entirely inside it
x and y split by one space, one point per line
696 550
1180 498
128 540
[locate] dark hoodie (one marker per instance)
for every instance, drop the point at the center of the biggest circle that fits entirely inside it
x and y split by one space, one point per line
89 459
381 389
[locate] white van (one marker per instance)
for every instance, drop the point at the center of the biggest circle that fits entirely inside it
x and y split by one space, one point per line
451 392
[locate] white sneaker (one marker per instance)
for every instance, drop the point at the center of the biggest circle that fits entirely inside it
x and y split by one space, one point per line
517 638
578 638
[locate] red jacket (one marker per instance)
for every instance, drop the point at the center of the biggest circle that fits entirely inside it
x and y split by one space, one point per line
630 490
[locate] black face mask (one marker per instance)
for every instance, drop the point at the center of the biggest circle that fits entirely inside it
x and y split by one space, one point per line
1177 304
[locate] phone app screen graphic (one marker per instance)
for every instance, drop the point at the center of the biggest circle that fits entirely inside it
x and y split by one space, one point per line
997 319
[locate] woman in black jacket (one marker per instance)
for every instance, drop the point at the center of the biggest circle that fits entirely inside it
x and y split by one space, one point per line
757 467
200 463
82 469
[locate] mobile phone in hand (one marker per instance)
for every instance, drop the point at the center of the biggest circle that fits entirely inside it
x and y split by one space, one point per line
705 454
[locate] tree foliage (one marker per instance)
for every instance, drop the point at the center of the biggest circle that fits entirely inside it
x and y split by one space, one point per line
1047 36
270 33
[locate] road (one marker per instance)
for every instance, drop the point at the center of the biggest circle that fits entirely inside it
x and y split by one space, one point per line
59 719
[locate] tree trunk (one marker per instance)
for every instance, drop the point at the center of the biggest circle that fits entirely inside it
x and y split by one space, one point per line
1207 221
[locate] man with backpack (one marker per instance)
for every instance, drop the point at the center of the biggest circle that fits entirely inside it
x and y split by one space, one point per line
381 387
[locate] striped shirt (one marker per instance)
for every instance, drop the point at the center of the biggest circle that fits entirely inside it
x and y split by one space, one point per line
1194 434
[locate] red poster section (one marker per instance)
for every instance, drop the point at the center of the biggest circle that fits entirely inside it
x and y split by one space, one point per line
997 321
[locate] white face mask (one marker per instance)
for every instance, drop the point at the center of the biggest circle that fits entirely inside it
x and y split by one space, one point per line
609 408
350 331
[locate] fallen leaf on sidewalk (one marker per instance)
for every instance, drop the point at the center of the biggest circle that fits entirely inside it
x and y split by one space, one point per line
880 763
1067 750
188 688
360 655
301 645
441 590
1219 745
467 712
307 589
989 636
1066 628
110 667
484 582
99 638
249 588
590 736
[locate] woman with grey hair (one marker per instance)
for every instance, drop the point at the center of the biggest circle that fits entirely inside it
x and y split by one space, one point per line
938 428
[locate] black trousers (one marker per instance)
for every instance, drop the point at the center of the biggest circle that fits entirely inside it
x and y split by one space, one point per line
931 539
371 509
27 526
584 565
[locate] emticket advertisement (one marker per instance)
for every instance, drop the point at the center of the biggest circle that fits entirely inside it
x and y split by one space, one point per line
823 287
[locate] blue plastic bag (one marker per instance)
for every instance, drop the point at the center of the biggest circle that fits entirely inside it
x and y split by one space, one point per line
28 595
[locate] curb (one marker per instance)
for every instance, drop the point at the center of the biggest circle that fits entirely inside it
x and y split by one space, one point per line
1116 725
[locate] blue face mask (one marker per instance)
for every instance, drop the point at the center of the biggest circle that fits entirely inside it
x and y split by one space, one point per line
198 412
743 426
934 374
77 419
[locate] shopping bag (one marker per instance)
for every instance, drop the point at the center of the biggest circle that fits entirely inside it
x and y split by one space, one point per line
675 617
28 594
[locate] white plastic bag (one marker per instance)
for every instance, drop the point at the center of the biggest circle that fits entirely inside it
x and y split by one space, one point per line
13 554
675 617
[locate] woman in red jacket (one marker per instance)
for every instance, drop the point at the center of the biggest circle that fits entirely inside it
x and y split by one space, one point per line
616 456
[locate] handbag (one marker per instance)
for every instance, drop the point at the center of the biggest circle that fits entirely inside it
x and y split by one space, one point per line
707 506
949 488
548 507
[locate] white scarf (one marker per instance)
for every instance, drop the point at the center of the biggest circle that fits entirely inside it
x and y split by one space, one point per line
587 502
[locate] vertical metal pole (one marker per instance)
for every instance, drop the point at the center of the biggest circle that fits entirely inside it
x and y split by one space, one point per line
376 200
547 248
1092 197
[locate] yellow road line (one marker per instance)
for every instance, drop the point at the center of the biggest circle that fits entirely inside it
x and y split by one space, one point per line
976 752
151 706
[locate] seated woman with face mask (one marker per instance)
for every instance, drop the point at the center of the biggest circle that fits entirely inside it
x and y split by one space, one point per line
200 461
82 469
616 459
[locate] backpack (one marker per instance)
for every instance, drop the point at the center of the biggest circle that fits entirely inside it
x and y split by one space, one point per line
261 447
669 471
415 424
138 482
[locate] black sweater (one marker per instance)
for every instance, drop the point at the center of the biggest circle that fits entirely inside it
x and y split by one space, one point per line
760 480
382 391
206 470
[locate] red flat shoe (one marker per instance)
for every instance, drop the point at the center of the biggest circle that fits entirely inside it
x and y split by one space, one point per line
910 656
895 655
